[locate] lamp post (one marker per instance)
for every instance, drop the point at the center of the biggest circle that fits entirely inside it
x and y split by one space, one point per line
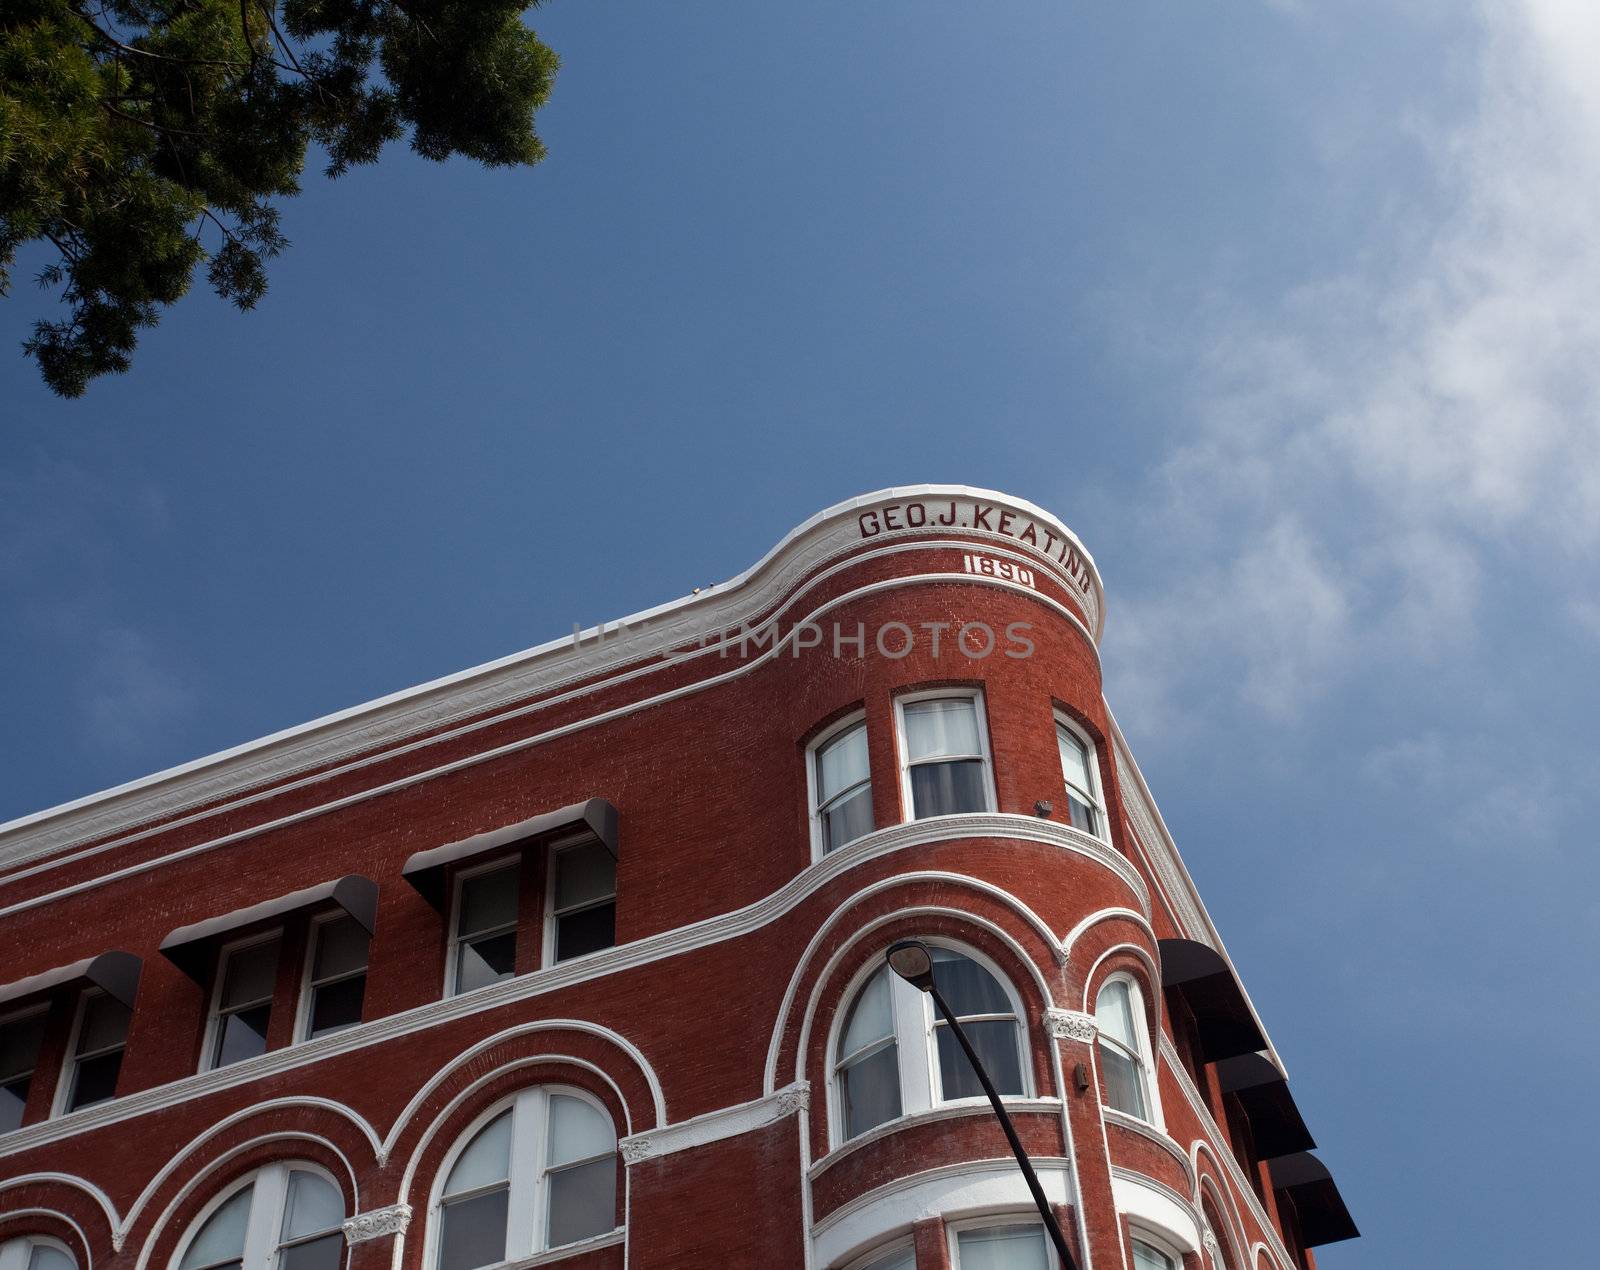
911 960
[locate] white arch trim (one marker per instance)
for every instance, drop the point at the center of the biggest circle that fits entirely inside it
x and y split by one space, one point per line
658 1100
1106 915
79 1183
1148 1203
199 1179
825 974
88 1248
182 1154
769 1077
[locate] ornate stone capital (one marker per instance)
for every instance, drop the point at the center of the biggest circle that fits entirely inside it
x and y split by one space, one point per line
1070 1025
636 1149
378 1223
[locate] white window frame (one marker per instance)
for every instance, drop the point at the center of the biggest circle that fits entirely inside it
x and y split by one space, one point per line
71 1058
308 984
992 1221
1146 1055
17 1252
220 977
1097 797
547 948
42 1007
908 811
528 1197
453 953
830 734
1153 1237
882 1251
264 1226
912 1012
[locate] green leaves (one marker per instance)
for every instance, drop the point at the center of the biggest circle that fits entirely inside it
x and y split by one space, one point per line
141 138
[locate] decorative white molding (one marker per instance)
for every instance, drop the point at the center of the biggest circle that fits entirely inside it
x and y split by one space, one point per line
828 536
1213 1249
377 1223
1071 1025
726 1122
712 930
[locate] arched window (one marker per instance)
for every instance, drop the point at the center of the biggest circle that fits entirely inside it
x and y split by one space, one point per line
1149 1257
540 1173
841 787
36 1252
1124 1045
883 1064
902 1256
1085 807
286 1216
1021 1246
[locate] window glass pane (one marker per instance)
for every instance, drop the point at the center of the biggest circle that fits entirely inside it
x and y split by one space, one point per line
583 1201
842 762
1074 759
1003 1248
1124 1085
586 931
221 1239
46 1257
966 986
242 1035
1080 815
313 1205
326 1253
847 819
1147 1258
95 1079
472 1232
869 1090
13 1101
249 974
486 961
341 948
1113 1013
19 1045
337 1005
488 900
996 1044
870 1018
577 1132
105 1024
946 789
487 1158
899 1259
935 728
584 874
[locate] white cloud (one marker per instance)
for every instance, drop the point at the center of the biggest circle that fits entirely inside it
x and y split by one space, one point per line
1365 459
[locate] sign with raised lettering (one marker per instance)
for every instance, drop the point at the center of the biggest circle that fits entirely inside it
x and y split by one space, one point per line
990 518
1005 570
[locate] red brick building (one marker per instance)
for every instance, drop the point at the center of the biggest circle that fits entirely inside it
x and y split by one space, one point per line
577 958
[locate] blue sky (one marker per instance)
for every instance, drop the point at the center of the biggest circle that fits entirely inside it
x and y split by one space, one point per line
1287 309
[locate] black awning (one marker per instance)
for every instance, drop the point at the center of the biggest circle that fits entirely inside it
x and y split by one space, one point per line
116 973
1227 1025
190 948
1276 1126
1306 1181
594 818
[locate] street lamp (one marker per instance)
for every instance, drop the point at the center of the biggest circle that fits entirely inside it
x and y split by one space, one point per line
911 960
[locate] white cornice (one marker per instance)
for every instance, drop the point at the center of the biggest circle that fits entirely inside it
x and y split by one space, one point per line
711 930
391 720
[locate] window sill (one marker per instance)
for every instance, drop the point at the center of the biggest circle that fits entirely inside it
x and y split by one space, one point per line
944 1111
556 1255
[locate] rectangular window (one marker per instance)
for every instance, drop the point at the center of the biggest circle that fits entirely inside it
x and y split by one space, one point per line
1078 771
583 901
842 788
246 977
336 975
97 1051
946 757
19 1053
485 943
1003 1248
